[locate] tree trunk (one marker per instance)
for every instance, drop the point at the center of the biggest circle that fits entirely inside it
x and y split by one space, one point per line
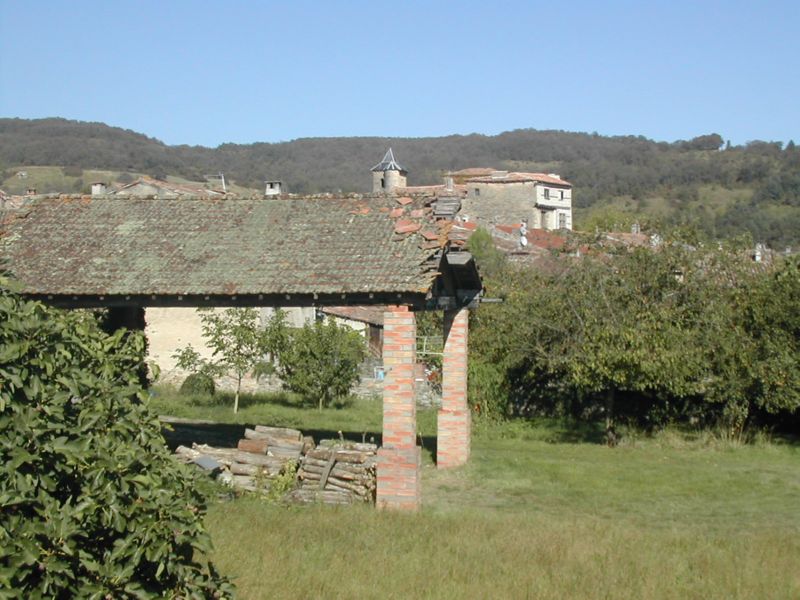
236 396
611 435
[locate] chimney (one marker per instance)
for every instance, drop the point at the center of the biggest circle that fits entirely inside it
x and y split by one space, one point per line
448 184
98 188
272 188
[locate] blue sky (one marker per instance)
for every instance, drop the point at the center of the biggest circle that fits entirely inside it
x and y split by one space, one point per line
207 73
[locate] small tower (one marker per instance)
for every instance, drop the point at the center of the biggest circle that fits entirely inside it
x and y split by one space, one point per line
388 174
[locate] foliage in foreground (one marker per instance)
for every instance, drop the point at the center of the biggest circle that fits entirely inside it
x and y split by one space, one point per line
91 503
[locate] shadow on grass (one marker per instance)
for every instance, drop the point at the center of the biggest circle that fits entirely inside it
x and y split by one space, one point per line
184 432
573 432
553 431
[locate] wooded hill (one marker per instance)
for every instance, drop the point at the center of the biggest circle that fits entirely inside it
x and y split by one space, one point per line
722 190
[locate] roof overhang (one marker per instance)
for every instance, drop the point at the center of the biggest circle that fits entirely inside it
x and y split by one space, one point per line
416 301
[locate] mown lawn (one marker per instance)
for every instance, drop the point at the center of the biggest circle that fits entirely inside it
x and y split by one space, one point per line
541 511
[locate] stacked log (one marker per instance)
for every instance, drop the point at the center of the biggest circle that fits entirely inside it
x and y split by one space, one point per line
337 472
262 455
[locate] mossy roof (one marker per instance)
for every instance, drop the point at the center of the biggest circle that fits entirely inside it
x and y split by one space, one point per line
118 246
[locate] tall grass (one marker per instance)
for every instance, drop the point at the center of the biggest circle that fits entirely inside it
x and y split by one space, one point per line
274 552
543 510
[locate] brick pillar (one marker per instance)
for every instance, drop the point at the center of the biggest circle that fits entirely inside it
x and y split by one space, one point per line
453 443
399 458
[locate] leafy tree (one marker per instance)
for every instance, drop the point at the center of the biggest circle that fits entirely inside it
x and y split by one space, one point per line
92 505
625 329
481 245
751 334
239 346
321 361
687 332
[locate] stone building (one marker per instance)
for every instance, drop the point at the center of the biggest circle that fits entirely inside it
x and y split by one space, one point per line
543 201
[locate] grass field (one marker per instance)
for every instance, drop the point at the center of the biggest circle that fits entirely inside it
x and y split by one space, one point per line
541 511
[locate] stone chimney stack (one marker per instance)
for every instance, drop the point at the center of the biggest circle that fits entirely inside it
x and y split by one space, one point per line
273 188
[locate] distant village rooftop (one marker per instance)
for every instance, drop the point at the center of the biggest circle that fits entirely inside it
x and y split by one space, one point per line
511 177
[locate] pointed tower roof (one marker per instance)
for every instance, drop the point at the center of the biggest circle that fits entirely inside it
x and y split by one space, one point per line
389 163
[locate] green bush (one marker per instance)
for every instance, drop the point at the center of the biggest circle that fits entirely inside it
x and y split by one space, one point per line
488 392
321 361
198 384
92 505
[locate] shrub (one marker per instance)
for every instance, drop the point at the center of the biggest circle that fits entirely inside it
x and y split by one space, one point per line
488 390
198 384
91 503
321 361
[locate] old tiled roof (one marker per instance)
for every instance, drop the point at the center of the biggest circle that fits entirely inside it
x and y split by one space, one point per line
116 246
520 178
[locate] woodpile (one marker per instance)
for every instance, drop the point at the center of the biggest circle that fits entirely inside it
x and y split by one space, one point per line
264 454
337 472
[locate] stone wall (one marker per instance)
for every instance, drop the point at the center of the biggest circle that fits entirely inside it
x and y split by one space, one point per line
499 203
511 203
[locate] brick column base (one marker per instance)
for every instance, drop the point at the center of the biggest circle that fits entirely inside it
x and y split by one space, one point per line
453 439
399 478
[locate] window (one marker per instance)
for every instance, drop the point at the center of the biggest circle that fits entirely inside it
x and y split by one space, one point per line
561 194
477 191
562 220
547 193
383 182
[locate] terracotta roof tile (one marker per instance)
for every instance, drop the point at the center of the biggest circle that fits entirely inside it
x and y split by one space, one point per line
86 246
